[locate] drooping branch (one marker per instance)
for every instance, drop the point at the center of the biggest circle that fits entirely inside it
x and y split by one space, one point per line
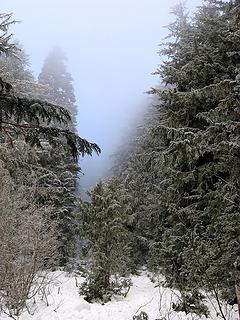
5 46
36 120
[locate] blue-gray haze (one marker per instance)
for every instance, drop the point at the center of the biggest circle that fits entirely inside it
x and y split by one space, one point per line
112 50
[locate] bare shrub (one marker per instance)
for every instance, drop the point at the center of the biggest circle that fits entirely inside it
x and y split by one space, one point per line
28 245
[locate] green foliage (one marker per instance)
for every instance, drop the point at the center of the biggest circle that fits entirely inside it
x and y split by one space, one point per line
192 303
198 245
183 179
22 117
93 289
102 225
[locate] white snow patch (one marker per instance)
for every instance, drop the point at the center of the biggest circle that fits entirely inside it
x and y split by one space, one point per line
62 302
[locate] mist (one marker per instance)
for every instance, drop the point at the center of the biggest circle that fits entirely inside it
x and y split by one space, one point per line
112 50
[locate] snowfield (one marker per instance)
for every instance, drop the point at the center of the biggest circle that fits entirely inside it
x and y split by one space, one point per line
62 302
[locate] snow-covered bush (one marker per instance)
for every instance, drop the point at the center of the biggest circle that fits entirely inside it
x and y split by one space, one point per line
92 288
121 286
142 316
27 246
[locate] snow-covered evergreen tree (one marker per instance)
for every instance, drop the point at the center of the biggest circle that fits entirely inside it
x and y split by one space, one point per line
184 178
199 199
102 225
55 75
45 150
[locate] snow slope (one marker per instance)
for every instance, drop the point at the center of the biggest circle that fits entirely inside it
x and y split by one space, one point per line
64 303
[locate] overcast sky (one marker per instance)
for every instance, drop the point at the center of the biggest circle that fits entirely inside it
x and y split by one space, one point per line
112 50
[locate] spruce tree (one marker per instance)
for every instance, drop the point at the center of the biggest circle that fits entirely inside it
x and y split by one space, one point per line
15 69
55 75
198 247
184 177
103 226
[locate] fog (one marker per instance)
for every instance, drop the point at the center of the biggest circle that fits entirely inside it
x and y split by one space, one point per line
111 47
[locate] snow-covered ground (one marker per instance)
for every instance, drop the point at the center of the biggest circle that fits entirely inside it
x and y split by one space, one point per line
62 302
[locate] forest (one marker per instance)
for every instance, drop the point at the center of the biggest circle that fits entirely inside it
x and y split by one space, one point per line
168 215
